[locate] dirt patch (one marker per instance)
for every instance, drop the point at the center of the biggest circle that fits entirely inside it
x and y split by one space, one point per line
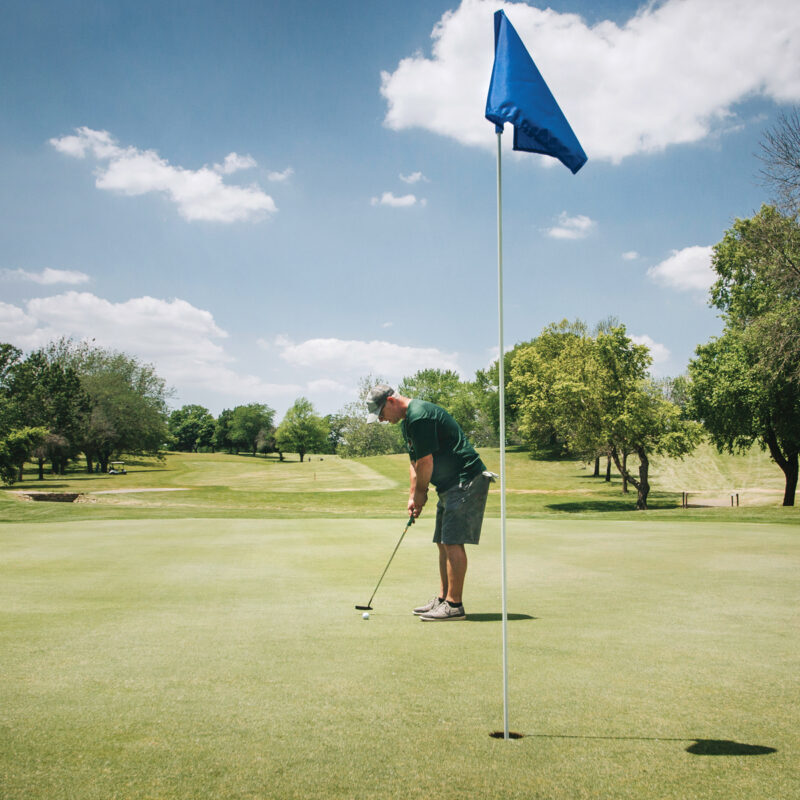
51 497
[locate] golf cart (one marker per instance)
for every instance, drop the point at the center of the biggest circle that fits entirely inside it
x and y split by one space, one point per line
117 468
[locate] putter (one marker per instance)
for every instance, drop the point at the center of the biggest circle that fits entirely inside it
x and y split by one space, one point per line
368 606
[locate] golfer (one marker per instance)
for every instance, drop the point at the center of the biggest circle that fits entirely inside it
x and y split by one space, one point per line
442 455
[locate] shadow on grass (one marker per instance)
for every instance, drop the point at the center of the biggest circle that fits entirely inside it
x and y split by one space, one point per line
497 617
701 747
584 506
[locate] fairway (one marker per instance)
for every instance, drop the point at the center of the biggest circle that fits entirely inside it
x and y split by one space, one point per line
224 659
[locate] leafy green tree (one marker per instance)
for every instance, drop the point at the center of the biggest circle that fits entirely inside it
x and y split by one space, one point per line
191 427
594 394
127 402
221 439
16 447
301 430
360 438
249 423
41 392
745 384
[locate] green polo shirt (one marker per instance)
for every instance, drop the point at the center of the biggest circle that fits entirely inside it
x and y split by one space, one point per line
429 430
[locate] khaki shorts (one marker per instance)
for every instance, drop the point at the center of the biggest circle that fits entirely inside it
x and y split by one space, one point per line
459 512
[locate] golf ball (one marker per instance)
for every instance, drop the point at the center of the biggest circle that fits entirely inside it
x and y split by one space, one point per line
365 615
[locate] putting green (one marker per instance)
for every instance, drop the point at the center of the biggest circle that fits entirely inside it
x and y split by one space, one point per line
224 658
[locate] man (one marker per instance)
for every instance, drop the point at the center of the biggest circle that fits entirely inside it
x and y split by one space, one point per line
440 454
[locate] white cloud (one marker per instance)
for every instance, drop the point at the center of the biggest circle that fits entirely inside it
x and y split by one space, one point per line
686 270
388 199
279 177
635 88
234 163
199 194
184 342
578 227
359 357
659 352
48 276
630 255
414 177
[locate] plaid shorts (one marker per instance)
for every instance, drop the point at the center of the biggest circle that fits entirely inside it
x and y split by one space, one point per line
459 512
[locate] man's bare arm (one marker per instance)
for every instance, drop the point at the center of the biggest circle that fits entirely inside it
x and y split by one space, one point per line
420 474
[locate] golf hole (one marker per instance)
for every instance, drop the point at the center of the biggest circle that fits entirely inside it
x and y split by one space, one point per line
502 735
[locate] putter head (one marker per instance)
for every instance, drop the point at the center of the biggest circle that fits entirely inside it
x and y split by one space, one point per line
363 608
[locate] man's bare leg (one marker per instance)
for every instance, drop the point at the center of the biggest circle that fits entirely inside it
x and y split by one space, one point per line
443 581
456 568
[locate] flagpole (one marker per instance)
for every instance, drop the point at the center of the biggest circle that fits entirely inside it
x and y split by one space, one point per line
501 383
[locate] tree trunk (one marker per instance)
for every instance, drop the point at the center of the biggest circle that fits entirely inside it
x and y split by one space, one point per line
644 487
625 473
41 469
787 462
89 464
641 486
608 469
596 467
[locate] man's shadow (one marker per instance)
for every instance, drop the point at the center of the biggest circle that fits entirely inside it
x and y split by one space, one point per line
497 617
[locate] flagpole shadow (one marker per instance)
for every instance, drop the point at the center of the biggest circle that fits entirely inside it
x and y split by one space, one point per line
699 747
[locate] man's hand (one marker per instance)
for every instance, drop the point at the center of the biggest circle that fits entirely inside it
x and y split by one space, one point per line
416 502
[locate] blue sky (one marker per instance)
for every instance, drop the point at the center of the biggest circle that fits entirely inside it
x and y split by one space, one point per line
268 200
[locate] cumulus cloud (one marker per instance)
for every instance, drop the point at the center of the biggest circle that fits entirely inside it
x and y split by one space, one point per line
686 270
184 342
630 255
360 357
279 177
234 163
659 352
578 227
622 87
388 199
47 276
198 194
414 177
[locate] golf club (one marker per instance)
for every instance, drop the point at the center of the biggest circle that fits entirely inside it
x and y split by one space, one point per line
368 606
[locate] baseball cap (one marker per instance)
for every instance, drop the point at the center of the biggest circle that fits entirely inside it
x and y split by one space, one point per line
376 399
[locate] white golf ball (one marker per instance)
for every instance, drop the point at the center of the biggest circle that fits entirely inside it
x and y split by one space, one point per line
365 615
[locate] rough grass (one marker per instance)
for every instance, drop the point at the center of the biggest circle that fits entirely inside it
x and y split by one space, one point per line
229 486
223 658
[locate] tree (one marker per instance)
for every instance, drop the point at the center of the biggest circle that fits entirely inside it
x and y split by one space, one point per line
126 409
745 384
359 438
249 423
221 439
41 392
594 395
16 448
780 155
301 430
191 427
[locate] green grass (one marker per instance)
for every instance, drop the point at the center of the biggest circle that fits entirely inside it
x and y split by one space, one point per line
229 486
222 658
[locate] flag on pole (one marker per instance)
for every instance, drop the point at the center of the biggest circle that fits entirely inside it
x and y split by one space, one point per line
519 95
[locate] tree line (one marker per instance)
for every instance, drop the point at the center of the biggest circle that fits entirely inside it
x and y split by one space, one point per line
569 391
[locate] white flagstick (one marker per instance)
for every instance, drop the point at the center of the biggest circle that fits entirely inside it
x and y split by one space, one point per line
502 398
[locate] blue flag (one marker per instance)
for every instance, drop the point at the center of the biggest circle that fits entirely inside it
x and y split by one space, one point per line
519 95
